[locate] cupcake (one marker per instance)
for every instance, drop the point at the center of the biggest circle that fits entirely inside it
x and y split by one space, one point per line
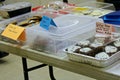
83 43
73 49
110 49
86 51
97 47
102 56
116 43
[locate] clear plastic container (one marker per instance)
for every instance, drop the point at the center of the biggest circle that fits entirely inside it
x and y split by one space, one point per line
18 19
15 9
23 17
92 8
95 4
70 28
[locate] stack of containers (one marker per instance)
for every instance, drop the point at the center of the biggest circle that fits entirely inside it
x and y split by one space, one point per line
70 29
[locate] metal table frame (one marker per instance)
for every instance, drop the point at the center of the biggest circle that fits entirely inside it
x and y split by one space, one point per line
26 69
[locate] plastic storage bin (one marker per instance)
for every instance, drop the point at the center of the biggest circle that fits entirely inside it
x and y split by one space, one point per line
70 28
95 4
92 8
17 20
15 9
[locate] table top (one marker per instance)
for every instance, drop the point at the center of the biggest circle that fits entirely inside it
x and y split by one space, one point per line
60 60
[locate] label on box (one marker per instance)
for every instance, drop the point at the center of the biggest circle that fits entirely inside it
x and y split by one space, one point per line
104 28
46 22
14 32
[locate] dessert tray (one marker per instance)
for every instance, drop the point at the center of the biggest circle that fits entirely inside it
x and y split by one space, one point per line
99 61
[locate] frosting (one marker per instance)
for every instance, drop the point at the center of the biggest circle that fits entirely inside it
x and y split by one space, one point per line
117 43
85 50
95 45
110 49
73 48
102 56
84 43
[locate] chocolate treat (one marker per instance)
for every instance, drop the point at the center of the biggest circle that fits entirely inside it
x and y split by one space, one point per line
83 43
100 38
86 51
97 47
110 49
116 43
72 49
40 44
102 56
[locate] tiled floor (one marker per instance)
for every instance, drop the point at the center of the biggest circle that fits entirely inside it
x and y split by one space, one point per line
11 69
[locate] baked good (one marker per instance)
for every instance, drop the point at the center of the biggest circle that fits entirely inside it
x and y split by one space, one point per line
96 13
102 56
84 43
102 38
116 43
30 21
40 43
97 47
86 51
110 49
73 49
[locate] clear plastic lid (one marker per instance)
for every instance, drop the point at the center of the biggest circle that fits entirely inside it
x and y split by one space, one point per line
69 25
15 6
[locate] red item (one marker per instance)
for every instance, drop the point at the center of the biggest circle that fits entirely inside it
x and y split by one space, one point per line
36 8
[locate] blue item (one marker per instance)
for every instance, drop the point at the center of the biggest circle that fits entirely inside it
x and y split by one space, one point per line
46 22
112 18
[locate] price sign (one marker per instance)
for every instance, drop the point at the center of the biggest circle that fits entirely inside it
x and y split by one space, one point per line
46 22
14 32
104 28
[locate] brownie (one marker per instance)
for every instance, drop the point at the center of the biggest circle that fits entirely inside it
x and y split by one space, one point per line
86 51
102 56
73 49
110 50
84 43
97 47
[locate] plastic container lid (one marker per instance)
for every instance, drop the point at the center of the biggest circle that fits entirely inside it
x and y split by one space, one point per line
15 6
69 25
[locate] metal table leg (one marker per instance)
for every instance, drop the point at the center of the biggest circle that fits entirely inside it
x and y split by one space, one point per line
51 73
24 62
26 69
